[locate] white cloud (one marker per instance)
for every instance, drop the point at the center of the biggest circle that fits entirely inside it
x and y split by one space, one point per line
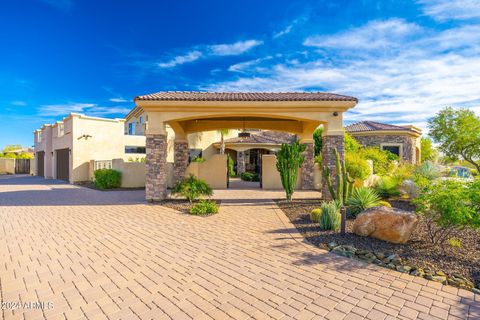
373 35
56 110
443 10
233 49
117 100
179 60
246 66
19 103
283 32
406 85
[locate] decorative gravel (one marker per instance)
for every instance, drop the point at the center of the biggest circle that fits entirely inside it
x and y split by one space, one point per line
418 252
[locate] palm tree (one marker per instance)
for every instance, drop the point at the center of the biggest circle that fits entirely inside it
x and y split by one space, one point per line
223 132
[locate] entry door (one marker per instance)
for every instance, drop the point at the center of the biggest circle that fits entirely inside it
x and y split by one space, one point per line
41 163
63 164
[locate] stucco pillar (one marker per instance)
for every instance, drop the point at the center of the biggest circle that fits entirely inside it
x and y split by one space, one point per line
240 162
330 142
156 166
180 156
308 167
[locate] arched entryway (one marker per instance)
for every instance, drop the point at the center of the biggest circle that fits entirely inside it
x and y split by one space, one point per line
189 112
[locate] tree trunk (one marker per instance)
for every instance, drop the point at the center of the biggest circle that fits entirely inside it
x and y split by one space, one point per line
222 144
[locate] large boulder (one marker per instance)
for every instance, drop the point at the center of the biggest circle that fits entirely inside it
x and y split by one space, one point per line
388 224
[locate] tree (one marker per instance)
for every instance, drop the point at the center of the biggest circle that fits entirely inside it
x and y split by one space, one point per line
429 152
11 147
223 132
457 132
317 138
289 159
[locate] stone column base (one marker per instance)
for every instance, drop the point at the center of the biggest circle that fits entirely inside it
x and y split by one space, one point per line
328 159
308 168
156 167
180 162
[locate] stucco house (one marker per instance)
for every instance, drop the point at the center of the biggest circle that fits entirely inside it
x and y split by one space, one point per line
404 141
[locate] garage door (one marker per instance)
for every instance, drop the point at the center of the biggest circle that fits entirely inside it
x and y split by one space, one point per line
63 164
41 163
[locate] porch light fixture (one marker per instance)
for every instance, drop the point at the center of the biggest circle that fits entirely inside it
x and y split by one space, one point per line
243 133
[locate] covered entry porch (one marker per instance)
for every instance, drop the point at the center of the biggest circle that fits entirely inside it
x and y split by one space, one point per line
190 112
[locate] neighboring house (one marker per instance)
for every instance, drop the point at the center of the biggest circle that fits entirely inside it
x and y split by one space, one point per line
63 150
403 141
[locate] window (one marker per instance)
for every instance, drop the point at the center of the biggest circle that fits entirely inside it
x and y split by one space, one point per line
135 149
131 128
39 136
140 120
194 153
395 149
61 130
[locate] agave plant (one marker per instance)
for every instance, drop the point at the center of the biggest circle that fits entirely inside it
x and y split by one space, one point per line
361 199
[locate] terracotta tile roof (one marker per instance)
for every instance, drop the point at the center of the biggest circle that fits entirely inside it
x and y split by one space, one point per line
244 96
265 137
363 126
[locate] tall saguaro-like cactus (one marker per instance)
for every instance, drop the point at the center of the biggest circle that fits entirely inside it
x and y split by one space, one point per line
344 185
289 159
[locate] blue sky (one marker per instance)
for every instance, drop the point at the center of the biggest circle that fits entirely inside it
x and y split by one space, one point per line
404 60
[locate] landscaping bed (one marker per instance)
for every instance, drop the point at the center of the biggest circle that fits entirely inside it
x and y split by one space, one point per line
417 257
181 205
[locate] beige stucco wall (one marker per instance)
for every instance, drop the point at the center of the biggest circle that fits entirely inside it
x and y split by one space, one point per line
43 142
213 171
7 166
270 175
104 142
133 173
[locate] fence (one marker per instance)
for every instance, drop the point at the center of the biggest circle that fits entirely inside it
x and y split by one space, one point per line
22 166
16 166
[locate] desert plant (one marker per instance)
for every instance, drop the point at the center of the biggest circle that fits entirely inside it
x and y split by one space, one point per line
231 171
204 207
383 161
448 206
357 167
289 160
199 159
107 178
384 203
249 176
192 188
455 242
315 214
426 170
361 199
387 187
330 217
344 185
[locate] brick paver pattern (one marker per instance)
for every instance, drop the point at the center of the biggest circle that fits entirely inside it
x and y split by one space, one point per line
110 255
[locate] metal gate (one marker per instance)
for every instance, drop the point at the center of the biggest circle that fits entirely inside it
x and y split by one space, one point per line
63 164
22 165
41 163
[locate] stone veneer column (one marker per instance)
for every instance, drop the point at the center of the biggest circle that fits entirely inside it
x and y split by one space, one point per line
156 167
308 167
328 159
180 162
240 162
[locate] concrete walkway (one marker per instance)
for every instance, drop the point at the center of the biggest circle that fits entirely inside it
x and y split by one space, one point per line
108 255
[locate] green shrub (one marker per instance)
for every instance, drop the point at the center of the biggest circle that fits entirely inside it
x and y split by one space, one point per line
448 205
357 167
289 160
426 170
330 217
250 176
199 159
204 207
315 214
192 188
231 164
361 199
383 161
107 178
387 187
351 144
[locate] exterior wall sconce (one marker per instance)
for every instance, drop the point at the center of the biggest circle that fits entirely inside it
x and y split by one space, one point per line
85 136
335 114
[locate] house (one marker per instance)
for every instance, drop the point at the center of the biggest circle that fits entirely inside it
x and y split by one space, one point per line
63 150
404 141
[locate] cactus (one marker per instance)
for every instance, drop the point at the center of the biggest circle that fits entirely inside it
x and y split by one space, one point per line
289 159
344 185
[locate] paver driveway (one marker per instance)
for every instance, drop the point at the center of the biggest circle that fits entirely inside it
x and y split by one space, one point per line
108 255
